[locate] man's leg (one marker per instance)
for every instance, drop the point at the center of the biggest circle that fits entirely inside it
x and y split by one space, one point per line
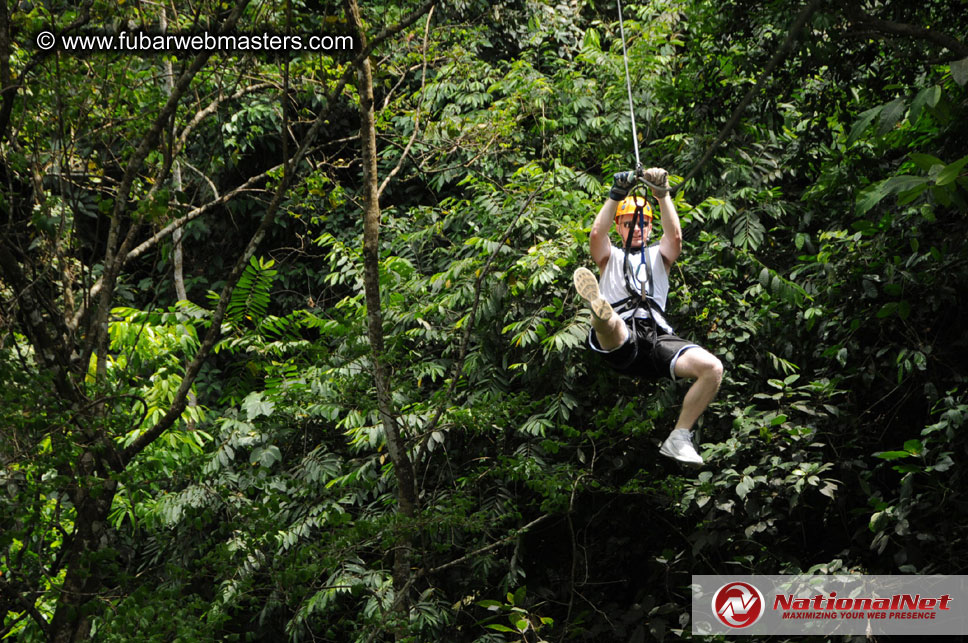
610 330
706 370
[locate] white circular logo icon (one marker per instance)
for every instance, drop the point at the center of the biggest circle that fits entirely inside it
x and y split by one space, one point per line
738 604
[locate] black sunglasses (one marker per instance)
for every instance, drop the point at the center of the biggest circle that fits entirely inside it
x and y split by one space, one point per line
629 224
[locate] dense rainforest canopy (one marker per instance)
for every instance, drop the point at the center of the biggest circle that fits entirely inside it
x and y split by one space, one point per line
289 348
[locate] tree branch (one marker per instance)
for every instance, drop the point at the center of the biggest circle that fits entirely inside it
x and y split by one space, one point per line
152 241
416 122
180 399
396 446
114 257
9 85
483 550
420 573
778 57
939 38
97 287
15 596
458 366
209 110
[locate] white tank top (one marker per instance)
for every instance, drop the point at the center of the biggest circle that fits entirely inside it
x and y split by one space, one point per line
612 283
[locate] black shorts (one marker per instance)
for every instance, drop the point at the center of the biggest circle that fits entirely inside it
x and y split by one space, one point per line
648 351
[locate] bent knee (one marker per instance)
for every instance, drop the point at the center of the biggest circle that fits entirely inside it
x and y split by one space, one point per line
717 369
698 363
712 368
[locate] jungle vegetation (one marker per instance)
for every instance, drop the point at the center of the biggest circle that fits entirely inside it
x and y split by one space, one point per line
289 348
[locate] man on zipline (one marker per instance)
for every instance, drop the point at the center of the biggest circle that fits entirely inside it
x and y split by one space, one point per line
634 337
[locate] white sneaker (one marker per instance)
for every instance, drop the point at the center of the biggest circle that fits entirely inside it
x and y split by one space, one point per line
587 287
679 447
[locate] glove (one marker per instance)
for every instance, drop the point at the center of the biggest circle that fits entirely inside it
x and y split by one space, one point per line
621 184
657 177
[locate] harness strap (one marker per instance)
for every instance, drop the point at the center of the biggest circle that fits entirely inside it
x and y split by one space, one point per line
640 212
643 295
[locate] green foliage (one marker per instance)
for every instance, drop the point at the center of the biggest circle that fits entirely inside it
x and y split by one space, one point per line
250 299
823 262
520 619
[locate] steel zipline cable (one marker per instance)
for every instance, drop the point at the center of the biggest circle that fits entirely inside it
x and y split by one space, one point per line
628 85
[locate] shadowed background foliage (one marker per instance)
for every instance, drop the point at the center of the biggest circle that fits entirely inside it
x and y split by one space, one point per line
213 465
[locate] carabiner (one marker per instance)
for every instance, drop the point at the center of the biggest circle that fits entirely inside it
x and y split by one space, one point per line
638 273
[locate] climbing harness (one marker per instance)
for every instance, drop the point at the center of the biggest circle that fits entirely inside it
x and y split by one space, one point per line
644 294
639 208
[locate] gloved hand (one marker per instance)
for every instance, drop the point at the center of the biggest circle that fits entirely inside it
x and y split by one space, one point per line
659 177
621 184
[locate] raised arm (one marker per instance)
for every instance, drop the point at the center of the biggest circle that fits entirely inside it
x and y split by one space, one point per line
670 245
599 242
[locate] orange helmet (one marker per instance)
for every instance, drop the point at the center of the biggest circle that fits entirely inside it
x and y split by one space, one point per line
630 204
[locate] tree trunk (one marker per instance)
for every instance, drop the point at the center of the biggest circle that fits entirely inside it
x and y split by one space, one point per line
402 465
82 583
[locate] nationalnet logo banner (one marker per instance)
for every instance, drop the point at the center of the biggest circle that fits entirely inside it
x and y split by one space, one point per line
842 604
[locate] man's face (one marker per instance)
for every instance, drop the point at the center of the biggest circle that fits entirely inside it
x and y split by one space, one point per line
623 224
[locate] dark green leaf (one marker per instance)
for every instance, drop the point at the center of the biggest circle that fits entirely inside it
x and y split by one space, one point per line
863 122
887 310
914 446
927 162
892 455
959 71
890 115
951 171
926 97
